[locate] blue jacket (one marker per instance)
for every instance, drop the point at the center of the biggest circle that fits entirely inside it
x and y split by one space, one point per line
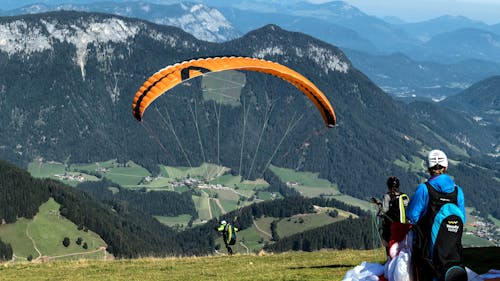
419 201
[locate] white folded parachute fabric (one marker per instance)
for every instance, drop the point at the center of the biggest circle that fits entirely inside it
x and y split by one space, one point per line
492 274
399 268
365 272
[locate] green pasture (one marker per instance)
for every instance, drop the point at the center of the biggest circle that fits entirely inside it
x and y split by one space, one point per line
205 170
319 265
363 204
494 220
248 188
159 183
303 222
181 189
202 207
227 180
128 176
474 241
450 146
266 195
180 221
308 184
251 238
228 199
216 211
264 223
95 166
45 169
229 205
46 232
50 169
15 234
416 165
253 184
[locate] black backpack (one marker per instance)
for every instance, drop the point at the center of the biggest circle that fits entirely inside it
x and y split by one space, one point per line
397 206
231 232
438 247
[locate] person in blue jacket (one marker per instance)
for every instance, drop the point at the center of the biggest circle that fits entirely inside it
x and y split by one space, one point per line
437 164
429 260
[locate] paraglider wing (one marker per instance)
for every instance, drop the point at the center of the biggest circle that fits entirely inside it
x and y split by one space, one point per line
172 75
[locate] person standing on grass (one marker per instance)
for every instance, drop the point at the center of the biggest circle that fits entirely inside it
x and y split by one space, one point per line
392 209
437 212
228 235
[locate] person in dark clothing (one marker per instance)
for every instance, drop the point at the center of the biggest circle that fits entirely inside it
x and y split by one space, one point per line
392 209
437 209
228 235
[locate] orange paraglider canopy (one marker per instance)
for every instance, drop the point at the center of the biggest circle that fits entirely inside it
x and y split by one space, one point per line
172 75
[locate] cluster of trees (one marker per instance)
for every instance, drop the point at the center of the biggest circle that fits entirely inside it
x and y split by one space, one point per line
5 251
155 203
66 242
346 234
21 195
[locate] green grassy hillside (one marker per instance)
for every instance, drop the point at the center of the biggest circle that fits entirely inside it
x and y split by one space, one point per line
321 265
42 236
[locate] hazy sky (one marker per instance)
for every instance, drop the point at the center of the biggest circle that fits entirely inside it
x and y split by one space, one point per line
487 11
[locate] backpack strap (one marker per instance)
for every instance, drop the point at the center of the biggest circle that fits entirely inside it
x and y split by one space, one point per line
403 202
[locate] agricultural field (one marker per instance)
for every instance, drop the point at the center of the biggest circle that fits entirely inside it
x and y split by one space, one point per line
303 222
415 166
219 191
307 183
310 185
472 227
58 171
179 222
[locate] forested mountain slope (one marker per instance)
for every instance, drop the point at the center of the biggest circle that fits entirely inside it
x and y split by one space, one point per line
69 79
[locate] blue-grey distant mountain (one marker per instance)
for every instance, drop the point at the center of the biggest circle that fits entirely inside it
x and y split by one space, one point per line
408 79
453 125
403 59
393 20
343 25
483 96
201 21
247 20
385 37
481 101
425 30
464 44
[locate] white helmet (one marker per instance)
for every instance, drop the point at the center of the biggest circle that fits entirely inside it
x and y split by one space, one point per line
437 157
223 222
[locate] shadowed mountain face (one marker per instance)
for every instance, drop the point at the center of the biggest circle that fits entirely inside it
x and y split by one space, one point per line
482 102
69 78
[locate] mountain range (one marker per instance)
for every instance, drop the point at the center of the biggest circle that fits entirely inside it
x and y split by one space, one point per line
68 79
434 48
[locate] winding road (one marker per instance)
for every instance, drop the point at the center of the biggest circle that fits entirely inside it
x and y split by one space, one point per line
262 231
